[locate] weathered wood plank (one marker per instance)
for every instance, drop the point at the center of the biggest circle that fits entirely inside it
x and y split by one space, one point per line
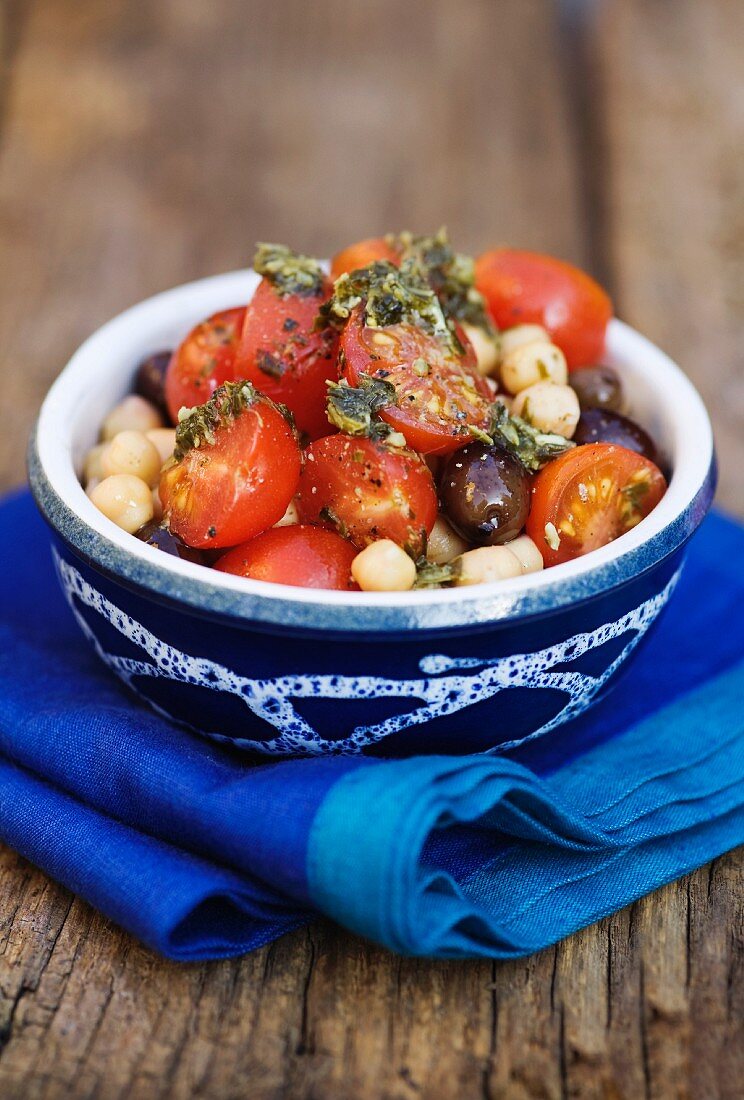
148 144
183 133
151 144
673 98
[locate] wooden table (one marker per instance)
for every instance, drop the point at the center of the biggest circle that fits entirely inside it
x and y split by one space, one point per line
144 144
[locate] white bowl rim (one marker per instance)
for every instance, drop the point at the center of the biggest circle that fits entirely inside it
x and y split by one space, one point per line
96 539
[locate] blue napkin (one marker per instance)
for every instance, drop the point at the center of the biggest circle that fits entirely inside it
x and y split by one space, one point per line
203 853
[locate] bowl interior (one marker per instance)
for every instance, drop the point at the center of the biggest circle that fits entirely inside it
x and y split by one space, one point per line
659 396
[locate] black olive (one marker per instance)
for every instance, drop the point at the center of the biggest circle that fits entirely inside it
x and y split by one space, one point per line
485 492
601 426
149 381
163 539
597 388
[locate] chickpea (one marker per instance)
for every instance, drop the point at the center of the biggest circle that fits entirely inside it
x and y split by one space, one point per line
124 499
486 348
521 334
290 517
132 453
131 414
443 543
526 553
92 467
487 563
549 407
165 441
538 361
383 567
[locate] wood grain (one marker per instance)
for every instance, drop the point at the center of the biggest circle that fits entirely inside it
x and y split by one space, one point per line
145 144
670 81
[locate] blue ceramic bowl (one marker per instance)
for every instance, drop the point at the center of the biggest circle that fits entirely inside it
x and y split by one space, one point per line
287 670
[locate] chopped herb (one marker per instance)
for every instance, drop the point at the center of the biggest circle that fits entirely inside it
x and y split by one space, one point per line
330 516
452 276
269 364
431 575
288 271
531 446
197 426
552 537
354 409
481 436
391 296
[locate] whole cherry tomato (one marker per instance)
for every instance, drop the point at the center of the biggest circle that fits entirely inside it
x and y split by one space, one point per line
362 253
285 358
300 555
527 287
204 360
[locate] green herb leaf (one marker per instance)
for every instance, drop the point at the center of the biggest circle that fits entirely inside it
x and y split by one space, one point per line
431 575
197 426
354 409
288 271
451 275
391 296
532 447
269 364
336 522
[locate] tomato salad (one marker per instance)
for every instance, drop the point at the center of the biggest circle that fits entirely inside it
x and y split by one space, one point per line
416 420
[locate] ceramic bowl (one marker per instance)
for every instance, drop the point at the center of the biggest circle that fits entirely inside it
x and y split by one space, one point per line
299 671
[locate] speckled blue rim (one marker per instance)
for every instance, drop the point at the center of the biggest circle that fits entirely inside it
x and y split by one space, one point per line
136 332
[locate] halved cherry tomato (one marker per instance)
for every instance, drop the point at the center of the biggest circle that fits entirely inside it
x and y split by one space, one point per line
284 358
204 360
590 496
300 555
369 491
362 253
439 394
222 493
522 287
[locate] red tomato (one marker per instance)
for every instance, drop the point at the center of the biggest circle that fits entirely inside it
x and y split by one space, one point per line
203 361
303 556
360 254
284 358
591 495
439 393
368 491
527 287
222 493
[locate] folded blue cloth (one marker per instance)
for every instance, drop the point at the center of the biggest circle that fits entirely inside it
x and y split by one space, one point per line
202 852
